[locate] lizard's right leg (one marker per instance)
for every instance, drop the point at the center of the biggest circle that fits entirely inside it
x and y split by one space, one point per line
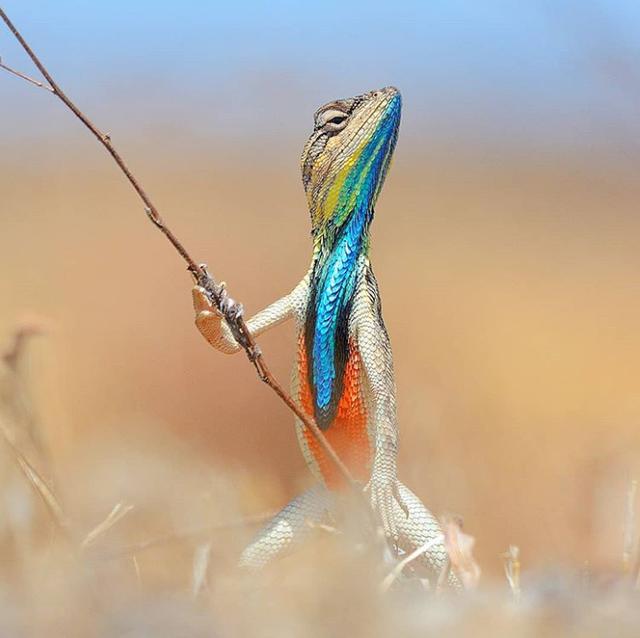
288 528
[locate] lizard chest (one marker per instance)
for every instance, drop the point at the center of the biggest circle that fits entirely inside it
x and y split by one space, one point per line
332 390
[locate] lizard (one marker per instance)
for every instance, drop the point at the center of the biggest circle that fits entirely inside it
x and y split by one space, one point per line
343 376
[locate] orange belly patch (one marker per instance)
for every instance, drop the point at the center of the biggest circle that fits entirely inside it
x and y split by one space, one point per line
348 433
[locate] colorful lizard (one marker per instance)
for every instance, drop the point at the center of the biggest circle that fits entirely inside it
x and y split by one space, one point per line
344 371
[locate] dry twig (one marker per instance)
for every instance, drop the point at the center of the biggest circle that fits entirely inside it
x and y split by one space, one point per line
391 577
22 76
231 311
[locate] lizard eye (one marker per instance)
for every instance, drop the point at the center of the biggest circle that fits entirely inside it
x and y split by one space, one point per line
332 120
338 119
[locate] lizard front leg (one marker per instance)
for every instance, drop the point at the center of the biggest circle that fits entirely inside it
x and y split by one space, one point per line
210 323
216 331
288 528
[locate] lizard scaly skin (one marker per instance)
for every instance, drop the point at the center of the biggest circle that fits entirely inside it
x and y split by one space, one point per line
344 371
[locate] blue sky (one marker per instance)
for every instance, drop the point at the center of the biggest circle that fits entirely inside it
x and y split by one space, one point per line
534 71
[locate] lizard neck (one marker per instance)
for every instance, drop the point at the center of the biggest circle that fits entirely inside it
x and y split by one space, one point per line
335 271
351 239
342 174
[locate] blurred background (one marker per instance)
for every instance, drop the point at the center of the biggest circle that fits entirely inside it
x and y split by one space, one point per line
506 244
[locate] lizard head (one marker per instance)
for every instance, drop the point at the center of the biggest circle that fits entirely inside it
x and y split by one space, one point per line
345 160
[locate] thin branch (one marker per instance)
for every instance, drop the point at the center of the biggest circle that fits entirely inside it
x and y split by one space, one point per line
231 311
24 77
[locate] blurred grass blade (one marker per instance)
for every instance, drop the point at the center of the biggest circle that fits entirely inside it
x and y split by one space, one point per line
136 569
115 515
391 577
629 527
37 483
200 567
460 549
512 570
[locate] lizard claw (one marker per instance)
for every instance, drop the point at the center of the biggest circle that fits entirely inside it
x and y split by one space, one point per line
199 274
229 307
